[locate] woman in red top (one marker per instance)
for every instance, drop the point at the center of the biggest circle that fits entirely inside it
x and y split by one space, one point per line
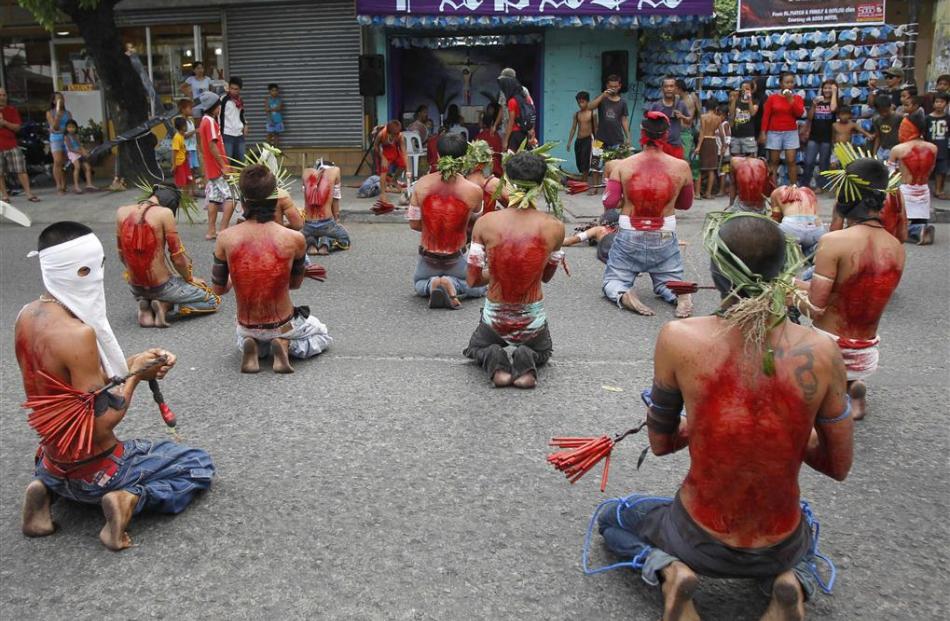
780 126
514 133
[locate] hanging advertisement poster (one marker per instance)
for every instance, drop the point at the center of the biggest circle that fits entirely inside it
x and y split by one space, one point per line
782 14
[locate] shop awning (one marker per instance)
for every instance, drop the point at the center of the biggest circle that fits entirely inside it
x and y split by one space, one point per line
676 15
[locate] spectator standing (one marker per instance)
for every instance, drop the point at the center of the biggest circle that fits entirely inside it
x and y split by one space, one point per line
56 118
77 157
185 108
688 134
217 190
180 164
519 108
233 125
453 122
502 118
942 86
198 82
779 131
893 77
585 126
419 123
885 124
742 111
274 107
678 114
490 136
11 158
821 117
938 132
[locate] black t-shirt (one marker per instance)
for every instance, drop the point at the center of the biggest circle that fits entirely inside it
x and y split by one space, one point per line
938 132
609 125
821 123
743 125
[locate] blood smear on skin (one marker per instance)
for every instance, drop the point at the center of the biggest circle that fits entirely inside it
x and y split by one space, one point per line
650 188
139 248
920 163
747 442
516 266
751 176
316 194
444 222
260 273
861 299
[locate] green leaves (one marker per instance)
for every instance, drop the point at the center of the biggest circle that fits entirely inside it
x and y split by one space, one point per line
266 155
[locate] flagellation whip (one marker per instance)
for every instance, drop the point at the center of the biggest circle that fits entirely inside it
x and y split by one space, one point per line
579 187
66 416
581 454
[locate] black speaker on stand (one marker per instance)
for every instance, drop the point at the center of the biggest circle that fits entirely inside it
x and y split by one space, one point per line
615 62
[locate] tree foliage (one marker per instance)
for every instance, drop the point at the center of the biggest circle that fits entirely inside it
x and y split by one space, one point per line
727 12
47 12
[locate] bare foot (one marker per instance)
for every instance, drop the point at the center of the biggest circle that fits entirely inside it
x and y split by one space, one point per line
323 251
37 520
118 508
927 237
858 390
788 603
159 309
146 316
279 348
454 302
631 302
684 306
501 379
250 362
679 584
312 250
528 381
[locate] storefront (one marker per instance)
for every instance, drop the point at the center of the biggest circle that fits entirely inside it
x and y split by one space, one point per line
443 52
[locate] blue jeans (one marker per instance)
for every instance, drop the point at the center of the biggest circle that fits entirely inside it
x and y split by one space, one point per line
327 233
806 235
635 252
234 147
819 152
187 297
915 228
454 269
164 475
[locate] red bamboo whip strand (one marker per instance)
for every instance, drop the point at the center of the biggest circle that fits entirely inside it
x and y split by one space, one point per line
317 272
580 454
682 287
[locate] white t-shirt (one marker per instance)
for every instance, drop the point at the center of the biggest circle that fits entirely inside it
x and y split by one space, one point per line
233 126
198 86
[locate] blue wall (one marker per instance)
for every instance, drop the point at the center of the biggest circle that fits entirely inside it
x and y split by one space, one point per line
572 64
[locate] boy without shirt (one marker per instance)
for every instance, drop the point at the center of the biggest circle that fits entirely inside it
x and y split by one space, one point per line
843 130
585 125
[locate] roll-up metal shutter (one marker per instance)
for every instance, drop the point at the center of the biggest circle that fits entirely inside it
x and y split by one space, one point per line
312 52
182 15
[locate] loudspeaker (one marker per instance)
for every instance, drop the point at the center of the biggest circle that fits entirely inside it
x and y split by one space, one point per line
372 75
615 62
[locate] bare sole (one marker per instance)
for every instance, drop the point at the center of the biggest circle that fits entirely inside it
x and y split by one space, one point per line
927 236
146 316
159 309
684 306
280 348
37 520
501 379
679 585
787 602
526 381
858 392
632 303
117 508
250 362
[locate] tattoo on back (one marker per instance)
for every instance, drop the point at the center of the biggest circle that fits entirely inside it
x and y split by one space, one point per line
805 372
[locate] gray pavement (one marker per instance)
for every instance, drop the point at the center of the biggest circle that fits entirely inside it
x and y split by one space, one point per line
387 480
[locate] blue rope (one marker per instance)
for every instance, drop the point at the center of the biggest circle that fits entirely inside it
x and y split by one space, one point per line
815 527
637 561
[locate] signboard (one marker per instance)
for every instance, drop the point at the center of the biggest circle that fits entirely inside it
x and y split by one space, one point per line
534 8
782 14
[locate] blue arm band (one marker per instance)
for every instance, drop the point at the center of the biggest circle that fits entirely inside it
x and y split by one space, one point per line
840 417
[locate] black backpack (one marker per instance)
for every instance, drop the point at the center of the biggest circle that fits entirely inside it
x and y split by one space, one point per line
528 117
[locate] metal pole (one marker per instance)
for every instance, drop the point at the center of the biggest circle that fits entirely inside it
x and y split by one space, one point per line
196 36
910 49
54 67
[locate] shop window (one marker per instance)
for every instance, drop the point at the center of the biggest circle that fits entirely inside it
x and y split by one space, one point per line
28 75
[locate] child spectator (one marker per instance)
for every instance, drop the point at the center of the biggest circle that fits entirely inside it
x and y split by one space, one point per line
885 123
938 132
275 114
585 125
724 143
77 157
843 129
708 149
494 141
180 155
185 107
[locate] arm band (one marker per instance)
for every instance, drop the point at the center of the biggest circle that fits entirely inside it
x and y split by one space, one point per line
837 419
414 213
298 266
105 400
219 272
685 200
582 236
476 255
337 192
613 193
556 257
665 406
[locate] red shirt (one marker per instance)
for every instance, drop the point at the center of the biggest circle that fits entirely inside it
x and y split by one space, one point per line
209 133
780 115
514 111
7 135
494 141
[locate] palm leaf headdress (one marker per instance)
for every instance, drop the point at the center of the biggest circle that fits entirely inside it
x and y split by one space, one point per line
849 186
186 202
478 155
525 194
267 155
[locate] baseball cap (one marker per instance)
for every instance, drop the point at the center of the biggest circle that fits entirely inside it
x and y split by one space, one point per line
204 102
508 72
894 72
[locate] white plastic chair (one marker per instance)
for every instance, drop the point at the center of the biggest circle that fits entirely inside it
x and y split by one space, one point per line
414 150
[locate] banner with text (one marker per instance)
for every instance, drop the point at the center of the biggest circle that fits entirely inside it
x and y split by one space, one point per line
782 14
535 8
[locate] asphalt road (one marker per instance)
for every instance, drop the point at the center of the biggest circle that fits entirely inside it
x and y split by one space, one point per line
387 480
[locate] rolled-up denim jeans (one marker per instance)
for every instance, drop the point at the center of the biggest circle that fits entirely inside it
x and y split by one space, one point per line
656 253
327 232
164 475
454 269
187 297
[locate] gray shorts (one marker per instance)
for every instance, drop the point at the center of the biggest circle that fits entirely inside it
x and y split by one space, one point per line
218 190
744 146
12 161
